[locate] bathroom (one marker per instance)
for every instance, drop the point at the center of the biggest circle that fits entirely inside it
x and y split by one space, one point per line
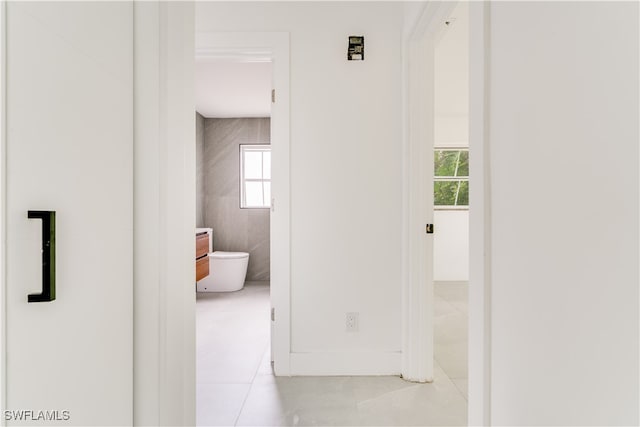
230 208
233 170
233 208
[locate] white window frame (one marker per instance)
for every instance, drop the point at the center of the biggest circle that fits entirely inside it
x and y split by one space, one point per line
263 148
459 179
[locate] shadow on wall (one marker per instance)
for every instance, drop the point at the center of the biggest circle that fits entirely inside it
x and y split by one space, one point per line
218 190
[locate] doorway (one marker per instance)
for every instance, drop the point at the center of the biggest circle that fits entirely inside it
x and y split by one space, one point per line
419 312
451 196
233 206
243 181
272 47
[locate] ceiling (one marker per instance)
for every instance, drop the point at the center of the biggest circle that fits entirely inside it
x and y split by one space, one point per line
233 88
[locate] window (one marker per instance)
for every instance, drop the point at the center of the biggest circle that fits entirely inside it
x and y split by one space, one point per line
255 176
451 178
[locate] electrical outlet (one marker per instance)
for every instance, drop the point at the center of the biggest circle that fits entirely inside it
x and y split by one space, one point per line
352 322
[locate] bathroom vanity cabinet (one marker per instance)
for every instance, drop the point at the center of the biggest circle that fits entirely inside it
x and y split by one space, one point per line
202 260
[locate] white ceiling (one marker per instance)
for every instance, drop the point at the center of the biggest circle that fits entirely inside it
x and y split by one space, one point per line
233 88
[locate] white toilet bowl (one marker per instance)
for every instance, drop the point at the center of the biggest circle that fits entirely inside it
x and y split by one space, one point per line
227 272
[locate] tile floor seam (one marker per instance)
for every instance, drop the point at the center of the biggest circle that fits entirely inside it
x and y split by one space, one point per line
461 392
444 300
453 382
450 301
246 396
253 379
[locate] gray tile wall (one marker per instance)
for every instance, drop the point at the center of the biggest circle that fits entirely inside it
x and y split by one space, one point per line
234 229
199 170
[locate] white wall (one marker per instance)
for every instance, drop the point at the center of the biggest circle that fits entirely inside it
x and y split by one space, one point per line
452 81
563 136
451 88
346 176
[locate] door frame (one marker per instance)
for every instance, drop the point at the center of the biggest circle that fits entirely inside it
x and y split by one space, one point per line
3 206
274 47
418 301
417 295
480 219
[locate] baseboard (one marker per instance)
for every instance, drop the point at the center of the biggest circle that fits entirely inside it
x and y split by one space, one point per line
346 363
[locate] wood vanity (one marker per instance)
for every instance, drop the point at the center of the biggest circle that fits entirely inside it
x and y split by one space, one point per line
202 260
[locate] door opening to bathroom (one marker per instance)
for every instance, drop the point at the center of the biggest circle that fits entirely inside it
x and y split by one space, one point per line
242 168
233 212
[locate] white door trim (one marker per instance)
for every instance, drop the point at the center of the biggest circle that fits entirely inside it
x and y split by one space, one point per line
164 214
417 361
274 46
417 295
3 207
479 347
418 298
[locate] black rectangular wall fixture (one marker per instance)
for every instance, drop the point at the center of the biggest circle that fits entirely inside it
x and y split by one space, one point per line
356 48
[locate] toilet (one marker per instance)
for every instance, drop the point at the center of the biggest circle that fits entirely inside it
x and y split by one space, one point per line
227 270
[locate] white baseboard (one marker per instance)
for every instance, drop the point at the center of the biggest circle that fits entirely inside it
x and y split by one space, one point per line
346 363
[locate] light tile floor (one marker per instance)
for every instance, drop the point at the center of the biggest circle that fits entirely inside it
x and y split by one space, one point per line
451 318
235 384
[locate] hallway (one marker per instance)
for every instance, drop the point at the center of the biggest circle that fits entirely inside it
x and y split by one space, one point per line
235 385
